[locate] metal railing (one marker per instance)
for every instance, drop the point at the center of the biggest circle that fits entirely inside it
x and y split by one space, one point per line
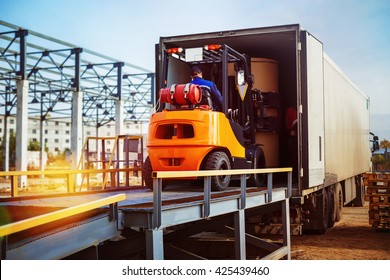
207 174
60 214
69 175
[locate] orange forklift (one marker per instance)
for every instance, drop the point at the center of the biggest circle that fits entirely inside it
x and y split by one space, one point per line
187 133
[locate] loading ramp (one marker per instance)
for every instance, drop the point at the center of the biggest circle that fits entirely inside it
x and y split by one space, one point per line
150 222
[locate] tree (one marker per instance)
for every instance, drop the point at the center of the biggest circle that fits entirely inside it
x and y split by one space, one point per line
382 162
385 144
33 145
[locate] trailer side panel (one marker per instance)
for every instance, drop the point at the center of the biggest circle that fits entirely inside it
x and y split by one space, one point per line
347 134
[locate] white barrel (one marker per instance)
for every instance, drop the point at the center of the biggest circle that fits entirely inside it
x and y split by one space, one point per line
266 78
265 73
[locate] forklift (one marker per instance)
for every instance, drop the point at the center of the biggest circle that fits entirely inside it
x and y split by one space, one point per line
186 133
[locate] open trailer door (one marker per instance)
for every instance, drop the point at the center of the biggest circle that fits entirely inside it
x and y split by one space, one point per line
313 110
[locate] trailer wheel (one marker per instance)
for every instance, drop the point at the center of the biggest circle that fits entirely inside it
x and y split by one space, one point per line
360 192
218 161
324 213
147 171
332 206
258 180
339 202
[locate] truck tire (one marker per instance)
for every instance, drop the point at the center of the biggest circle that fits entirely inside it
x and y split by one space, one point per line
332 206
147 171
339 202
218 161
258 180
360 192
323 211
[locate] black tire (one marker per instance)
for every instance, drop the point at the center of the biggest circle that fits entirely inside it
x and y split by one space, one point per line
339 202
319 214
360 192
332 206
218 161
258 180
147 171
325 213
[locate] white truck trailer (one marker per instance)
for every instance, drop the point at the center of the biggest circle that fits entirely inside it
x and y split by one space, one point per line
288 69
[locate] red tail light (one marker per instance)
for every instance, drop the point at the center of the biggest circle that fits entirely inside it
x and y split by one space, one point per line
175 50
214 47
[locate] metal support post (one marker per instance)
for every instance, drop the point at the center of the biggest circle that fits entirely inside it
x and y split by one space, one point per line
154 244
243 192
225 79
41 139
76 141
77 131
157 202
119 116
119 121
286 226
22 44
21 125
239 234
289 184
269 187
207 196
152 95
6 141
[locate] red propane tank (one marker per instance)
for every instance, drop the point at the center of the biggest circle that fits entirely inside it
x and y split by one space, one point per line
181 94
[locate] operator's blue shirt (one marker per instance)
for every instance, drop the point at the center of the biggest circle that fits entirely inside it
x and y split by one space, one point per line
216 96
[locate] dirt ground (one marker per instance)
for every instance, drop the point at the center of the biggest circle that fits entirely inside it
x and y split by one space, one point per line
352 238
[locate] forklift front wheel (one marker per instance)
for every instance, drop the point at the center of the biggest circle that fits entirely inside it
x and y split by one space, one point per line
218 161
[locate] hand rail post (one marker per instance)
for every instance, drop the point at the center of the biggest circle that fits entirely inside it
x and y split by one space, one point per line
207 196
289 184
269 186
14 186
242 191
157 201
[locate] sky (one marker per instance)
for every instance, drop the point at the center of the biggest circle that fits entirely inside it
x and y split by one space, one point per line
355 33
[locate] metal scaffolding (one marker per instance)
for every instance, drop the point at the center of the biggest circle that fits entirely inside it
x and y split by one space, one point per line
55 69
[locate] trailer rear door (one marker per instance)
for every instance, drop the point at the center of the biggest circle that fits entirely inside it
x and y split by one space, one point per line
313 109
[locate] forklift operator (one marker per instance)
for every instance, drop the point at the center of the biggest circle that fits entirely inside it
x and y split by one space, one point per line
216 96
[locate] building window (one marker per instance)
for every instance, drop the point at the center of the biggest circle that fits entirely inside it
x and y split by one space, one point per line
56 123
46 131
34 131
11 121
67 141
56 141
56 131
67 131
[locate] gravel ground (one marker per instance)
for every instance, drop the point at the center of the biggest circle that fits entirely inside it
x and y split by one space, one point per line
352 238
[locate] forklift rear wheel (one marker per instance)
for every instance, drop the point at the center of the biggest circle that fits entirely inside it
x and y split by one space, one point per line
147 175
